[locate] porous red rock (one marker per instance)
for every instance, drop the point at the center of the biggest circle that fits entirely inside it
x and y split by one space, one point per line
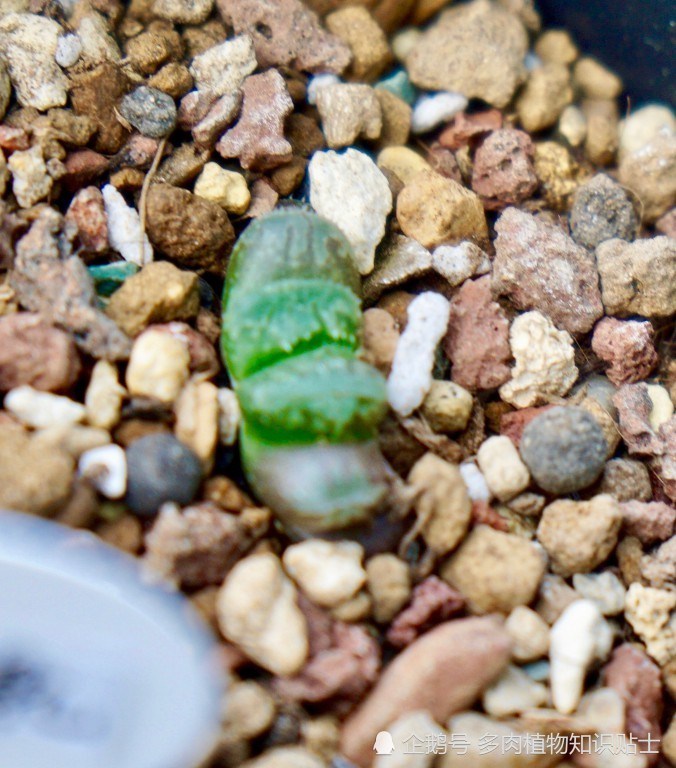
636 677
538 266
477 341
344 661
88 214
286 33
258 137
627 346
649 521
444 671
503 170
465 128
432 602
34 352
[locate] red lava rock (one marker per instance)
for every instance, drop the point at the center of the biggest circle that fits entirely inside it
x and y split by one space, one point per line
477 341
484 514
258 137
538 266
286 33
47 279
203 357
633 408
444 671
443 161
665 463
34 352
12 139
88 214
627 346
464 128
512 424
503 170
636 677
344 663
432 602
195 547
649 521
82 167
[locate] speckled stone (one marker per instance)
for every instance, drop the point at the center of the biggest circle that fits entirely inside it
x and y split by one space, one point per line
151 112
160 468
603 209
564 449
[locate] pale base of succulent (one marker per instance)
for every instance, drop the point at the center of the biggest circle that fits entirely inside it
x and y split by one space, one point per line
317 488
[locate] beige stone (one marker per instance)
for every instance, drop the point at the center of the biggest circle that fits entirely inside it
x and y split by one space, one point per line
158 366
104 396
546 93
579 535
349 111
227 188
442 505
389 583
197 419
447 406
356 27
595 80
556 46
529 633
402 161
435 210
495 571
258 612
499 461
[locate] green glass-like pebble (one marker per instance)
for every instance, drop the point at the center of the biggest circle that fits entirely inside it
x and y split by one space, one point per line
399 84
109 277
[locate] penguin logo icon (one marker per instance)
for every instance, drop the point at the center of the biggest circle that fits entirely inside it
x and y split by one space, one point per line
383 745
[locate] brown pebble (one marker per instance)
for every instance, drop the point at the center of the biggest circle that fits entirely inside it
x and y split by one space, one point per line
258 137
82 167
649 521
443 672
356 27
34 352
96 94
158 293
189 229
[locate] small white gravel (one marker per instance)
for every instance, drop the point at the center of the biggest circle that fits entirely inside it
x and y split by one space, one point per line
434 109
106 470
316 83
477 487
68 49
411 376
42 409
124 228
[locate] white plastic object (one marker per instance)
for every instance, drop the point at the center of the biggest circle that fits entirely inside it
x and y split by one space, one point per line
98 667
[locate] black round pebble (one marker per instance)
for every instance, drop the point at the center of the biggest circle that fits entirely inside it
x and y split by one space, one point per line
603 209
160 468
564 449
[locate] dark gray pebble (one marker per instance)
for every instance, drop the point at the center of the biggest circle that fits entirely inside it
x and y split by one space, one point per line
603 209
160 468
151 112
564 449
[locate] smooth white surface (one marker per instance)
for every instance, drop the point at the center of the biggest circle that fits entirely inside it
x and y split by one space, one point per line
97 668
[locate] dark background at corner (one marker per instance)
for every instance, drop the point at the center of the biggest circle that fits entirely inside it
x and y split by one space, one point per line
635 38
